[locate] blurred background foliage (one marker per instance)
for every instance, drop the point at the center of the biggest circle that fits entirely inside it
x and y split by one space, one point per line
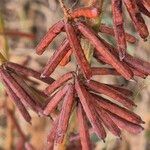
35 17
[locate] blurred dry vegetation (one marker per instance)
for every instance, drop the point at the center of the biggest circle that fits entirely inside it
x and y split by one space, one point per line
35 17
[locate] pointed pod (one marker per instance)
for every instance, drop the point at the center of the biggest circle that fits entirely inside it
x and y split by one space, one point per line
83 128
53 102
109 91
55 59
119 28
65 115
58 83
89 109
117 110
78 51
104 51
50 35
137 18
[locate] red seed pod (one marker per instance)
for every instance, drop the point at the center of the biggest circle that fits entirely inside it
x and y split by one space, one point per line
119 28
108 122
108 30
18 103
146 3
83 129
48 38
77 49
104 71
58 83
18 90
65 115
66 59
104 51
53 102
109 91
56 59
123 91
142 8
136 17
28 72
138 64
116 109
126 125
33 96
88 12
90 111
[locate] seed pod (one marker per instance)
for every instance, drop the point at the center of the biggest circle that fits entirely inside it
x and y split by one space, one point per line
18 103
106 90
104 51
48 38
56 59
88 12
124 91
118 27
108 30
76 47
142 8
90 111
26 88
58 83
116 109
136 17
66 59
108 122
65 114
138 64
28 72
146 3
53 102
103 71
83 129
18 90
126 125
138 73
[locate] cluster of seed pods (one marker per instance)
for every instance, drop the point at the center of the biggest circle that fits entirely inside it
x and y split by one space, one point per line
78 89
91 107
12 76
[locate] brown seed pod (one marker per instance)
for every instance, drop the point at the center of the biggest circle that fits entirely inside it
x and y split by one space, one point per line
18 90
90 111
83 129
138 64
88 12
66 59
48 38
18 103
122 90
108 122
116 109
124 124
65 114
77 49
109 91
104 51
58 83
136 17
119 28
52 102
108 30
142 8
104 71
28 72
56 59
28 90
